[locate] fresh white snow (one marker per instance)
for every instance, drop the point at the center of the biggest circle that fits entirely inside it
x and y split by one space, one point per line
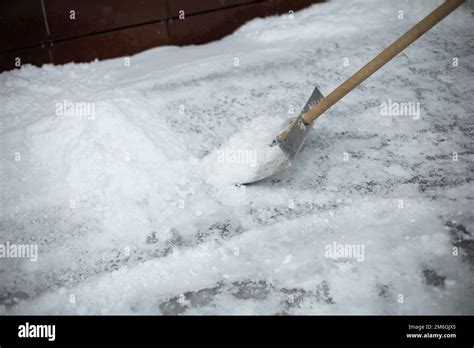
132 210
249 155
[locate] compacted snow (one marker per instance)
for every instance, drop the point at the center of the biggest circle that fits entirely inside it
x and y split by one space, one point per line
122 176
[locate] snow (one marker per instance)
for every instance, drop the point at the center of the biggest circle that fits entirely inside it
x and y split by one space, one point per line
132 212
249 154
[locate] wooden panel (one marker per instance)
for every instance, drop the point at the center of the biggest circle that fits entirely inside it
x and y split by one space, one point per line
35 55
93 16
21 24
212 26
110 44
193 6
283 6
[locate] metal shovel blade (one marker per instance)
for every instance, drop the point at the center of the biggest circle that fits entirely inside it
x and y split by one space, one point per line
289 146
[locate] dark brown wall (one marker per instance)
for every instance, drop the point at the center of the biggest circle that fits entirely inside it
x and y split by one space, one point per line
46 31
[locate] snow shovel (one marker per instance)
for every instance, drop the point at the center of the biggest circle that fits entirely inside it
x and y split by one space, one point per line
291 139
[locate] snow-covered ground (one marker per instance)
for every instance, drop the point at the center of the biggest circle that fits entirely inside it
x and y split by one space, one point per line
129 216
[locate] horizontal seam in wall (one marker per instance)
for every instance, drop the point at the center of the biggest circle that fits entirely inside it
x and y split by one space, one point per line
165 20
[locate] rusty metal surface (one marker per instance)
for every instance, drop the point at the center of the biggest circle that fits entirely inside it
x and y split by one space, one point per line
283 6
193 6
21 24
214 25
33 55
111 44
91 16
111 28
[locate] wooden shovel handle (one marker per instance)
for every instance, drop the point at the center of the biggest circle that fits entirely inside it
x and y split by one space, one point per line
384 57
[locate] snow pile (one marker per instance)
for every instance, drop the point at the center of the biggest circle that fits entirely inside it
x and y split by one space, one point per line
123 176
248 155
